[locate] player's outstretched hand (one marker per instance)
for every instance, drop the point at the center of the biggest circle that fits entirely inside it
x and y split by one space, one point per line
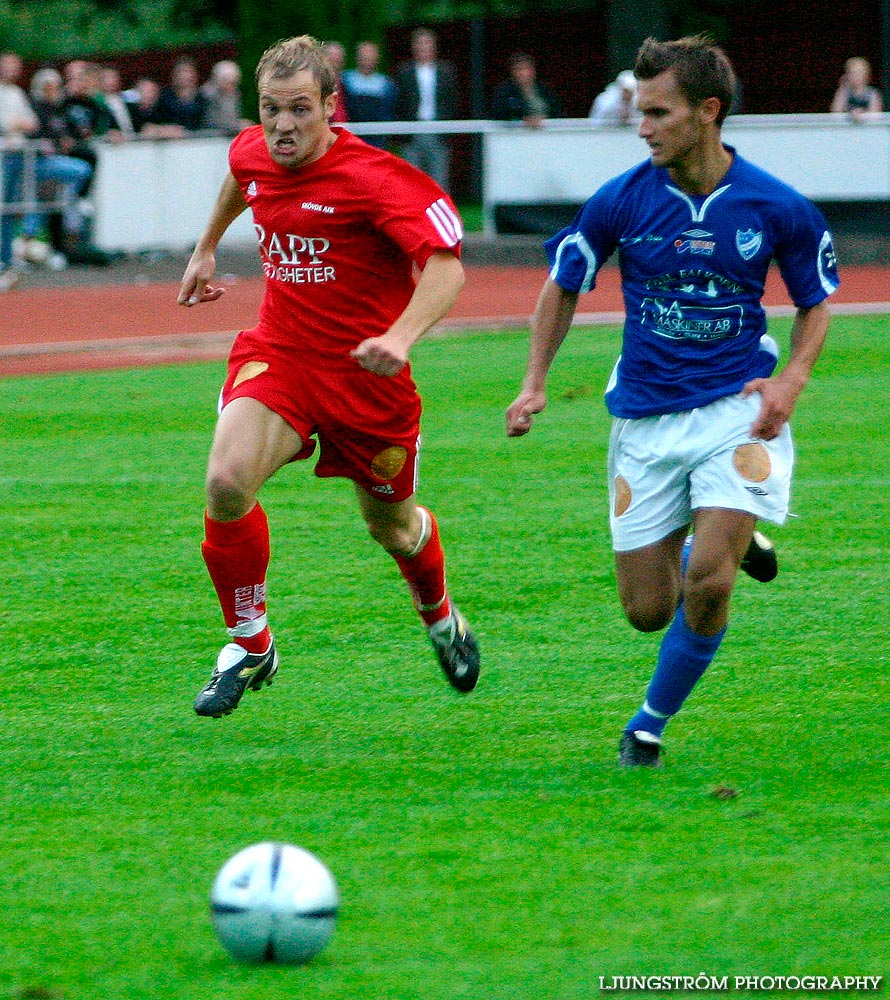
380 356
521 411
194 287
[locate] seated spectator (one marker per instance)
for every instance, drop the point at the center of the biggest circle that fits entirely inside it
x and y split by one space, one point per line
17 124
69 175
854 95
370 95
85 108
337 56
110 93
143 103
223 93
523 97
615 105
182 102
71 70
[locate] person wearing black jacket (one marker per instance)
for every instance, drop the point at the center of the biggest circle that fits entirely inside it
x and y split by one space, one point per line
523 97
427 91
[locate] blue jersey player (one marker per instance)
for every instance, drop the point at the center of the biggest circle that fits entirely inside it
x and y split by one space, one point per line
700 434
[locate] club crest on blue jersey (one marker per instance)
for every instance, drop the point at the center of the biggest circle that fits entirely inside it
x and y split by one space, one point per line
748 242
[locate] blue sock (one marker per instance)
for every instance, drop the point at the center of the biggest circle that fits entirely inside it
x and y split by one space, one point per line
682 659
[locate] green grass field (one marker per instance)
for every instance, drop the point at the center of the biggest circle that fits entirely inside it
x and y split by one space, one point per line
485 846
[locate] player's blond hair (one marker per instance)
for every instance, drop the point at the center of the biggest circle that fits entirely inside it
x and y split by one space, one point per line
290 55
701 68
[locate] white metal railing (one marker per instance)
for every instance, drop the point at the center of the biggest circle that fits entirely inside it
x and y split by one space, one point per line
158 193
28 197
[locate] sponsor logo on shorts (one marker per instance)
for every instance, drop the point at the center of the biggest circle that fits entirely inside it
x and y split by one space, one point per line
249 370
386 489
623 495
757 491
388 463
752 462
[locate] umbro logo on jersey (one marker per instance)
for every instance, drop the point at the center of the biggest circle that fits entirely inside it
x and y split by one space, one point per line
251 189
446 222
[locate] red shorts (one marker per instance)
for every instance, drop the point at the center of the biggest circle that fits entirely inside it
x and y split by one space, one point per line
368 426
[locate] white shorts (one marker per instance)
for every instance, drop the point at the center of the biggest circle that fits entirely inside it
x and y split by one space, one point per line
662 468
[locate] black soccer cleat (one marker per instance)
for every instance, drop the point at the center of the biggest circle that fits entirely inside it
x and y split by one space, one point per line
236 670
457 650
634 751
760 561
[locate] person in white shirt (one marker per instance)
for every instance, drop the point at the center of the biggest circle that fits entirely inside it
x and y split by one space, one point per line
17 123
113 99
615 105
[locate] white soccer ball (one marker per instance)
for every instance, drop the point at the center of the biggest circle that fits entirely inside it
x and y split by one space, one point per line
274 903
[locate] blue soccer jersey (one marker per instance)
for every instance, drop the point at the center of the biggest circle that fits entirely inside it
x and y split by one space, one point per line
693 274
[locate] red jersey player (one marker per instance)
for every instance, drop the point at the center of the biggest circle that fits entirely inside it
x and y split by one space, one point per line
342 227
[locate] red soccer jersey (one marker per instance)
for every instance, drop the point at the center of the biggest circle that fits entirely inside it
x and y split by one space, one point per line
338 239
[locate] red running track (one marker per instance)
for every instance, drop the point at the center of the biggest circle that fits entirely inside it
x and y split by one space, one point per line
44 330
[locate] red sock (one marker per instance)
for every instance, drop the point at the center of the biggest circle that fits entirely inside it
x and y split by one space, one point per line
424 572
237 556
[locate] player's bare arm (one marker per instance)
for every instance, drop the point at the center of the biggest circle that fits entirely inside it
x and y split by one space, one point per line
436 292
201 267
779 393
550 324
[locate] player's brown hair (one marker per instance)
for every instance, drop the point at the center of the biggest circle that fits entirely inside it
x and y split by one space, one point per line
290 55
701 68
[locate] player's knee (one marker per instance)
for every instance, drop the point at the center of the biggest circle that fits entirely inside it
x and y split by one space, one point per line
649 615
706 598
228 498
397 539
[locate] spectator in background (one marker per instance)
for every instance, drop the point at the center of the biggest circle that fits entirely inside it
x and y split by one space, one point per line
523 97
143 101
86 115
71 174
85 108
182 102
337 57
370 95
854 95
71 70
426 91
17 123
615 105
113 99
223 93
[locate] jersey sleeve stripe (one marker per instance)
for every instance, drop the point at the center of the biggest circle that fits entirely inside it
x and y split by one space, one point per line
829 282
571 247
447 223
